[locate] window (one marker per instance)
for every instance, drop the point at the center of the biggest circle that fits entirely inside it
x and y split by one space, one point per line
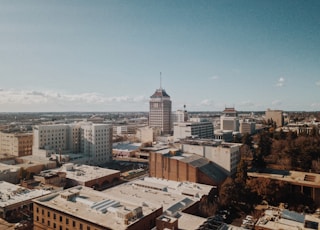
48 223
54 216
88 227
67 221
80 226
60 218
48 214
73 223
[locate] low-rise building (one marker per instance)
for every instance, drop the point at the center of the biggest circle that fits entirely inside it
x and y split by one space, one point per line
9 173
276 218
247 126
125 149
172 164
89 176
16 201
16 144
177 199
304 182
224 154
183 130
84 208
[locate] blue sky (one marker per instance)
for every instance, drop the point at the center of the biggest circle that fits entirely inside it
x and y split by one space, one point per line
108 55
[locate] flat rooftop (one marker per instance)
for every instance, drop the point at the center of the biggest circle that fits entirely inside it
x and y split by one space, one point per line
11 194
126 146
171 195
96 207
208 142
184 188
293 177
83 173
8 168
284 219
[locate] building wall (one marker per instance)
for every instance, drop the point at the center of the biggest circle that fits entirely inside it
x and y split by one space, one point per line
187 129
94 140
104 181
147 222
46 218
145 134
247 127
230 123
97 142
10 175
171 169
225 157
16 144
276 116
160 114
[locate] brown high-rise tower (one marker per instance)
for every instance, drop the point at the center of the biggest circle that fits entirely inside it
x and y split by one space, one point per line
160 111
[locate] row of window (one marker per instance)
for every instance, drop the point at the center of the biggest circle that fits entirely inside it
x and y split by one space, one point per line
68 222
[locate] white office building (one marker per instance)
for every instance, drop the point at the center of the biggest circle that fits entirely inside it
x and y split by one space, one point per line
225 155
91 140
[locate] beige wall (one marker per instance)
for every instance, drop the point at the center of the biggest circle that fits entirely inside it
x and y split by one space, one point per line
16 144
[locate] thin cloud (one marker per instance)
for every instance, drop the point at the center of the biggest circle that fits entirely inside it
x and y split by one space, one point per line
215 77
276 102
25 97
315 105
206 102
247 104
280 82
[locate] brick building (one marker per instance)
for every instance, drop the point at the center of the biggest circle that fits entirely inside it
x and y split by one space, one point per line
177 166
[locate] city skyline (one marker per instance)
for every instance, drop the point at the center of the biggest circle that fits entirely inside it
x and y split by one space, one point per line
107 55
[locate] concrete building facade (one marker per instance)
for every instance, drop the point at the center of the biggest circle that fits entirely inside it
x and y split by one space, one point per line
144 134
180 116
16 144
229 120
247 126
225 155
160 111
173 165
276 116
92 140
183 130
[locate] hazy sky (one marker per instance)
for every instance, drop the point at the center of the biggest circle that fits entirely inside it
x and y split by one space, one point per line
107 55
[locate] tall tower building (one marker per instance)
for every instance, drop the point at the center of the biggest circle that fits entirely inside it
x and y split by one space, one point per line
160 111
229 120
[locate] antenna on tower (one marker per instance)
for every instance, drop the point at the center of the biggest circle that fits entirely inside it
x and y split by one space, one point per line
160 81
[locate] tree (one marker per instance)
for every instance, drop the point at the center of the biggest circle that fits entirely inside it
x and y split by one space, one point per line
227 193
247 140
241 175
